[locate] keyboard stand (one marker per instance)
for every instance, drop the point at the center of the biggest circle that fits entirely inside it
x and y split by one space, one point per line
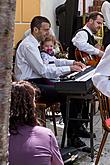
88 97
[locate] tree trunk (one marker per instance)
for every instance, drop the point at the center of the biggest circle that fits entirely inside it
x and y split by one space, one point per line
7 19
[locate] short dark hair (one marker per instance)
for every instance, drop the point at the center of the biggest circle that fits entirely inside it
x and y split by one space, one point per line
37 21
93 15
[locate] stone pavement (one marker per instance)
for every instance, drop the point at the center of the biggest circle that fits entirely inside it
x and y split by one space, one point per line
84 158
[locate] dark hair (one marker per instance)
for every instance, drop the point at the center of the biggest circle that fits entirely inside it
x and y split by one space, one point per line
93 15
22 109
37 21
48 38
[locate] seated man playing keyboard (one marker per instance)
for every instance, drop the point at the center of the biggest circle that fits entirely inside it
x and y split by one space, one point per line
29 66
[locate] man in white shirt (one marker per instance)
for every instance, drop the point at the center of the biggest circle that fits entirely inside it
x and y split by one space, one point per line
105 9
85 42
101 78
84 38
29 66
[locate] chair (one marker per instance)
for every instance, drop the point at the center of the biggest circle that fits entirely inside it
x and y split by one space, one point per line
41 107
104 105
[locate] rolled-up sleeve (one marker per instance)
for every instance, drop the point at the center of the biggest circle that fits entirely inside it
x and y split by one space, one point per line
63 62
80 41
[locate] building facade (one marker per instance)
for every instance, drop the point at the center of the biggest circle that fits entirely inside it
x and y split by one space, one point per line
27 9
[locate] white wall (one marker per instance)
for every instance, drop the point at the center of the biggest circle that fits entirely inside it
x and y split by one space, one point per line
48 10
87 2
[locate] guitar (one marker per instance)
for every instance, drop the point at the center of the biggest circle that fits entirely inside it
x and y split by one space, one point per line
87 59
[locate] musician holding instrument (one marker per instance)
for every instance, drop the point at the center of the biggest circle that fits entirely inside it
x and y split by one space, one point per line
87 50
85 42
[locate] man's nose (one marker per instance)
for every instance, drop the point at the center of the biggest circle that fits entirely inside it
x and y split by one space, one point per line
100 25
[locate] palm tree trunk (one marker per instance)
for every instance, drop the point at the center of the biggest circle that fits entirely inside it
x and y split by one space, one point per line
7 18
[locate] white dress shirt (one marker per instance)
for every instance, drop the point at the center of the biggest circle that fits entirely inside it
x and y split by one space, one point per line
57 62
29 64
101 76
53 61
80 41
105 9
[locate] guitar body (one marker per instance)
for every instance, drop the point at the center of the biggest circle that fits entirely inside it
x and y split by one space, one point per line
86 58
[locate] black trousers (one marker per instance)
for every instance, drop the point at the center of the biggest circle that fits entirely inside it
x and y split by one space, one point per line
49 94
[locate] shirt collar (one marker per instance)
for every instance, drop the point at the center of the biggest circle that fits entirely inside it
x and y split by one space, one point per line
85 27
33 39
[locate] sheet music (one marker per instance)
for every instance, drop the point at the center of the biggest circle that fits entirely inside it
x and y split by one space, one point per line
86 76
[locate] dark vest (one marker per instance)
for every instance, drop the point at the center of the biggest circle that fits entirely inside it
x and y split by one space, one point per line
72 48
91 39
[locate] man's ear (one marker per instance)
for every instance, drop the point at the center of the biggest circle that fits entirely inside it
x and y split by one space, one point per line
91 20
35 29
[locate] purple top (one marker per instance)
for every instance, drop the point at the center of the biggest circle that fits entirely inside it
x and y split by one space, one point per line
34 146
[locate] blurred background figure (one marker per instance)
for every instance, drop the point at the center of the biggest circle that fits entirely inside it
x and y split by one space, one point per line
101 78
105 9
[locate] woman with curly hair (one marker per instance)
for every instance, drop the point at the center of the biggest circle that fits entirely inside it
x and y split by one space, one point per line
29 143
